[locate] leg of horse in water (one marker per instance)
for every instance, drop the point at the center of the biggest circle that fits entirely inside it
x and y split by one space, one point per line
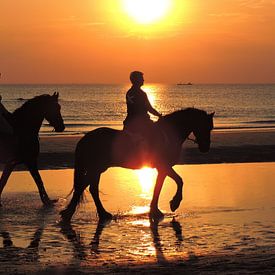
32 166
67 213
102 213
155 213
175 202
5 176
80 184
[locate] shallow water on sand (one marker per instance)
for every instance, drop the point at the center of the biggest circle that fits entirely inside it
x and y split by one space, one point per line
228 209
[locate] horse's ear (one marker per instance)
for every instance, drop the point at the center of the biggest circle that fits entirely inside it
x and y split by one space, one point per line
212 114
55 95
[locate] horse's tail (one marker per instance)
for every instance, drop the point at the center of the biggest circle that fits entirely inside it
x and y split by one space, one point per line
79 174
77 190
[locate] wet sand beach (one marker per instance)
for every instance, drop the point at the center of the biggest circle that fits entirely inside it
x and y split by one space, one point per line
224 225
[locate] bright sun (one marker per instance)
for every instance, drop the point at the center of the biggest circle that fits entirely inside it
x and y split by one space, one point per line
146 178
146 11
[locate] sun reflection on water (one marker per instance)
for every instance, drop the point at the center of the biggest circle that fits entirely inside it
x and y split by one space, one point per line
137 210
151 93
144 223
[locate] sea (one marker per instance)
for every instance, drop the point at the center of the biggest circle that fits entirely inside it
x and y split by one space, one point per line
86 107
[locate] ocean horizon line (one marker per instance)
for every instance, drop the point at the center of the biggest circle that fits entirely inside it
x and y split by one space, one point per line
127 83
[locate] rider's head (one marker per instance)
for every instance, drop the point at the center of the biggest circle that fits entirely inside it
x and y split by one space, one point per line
136 78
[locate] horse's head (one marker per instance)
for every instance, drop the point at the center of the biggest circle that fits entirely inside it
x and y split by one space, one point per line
52 113
202 130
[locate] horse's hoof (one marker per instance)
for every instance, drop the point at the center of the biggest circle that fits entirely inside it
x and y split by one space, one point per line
49 203
156 215
64 222
65 217
174 204
105 217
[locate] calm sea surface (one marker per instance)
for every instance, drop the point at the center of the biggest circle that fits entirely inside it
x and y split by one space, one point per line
85 107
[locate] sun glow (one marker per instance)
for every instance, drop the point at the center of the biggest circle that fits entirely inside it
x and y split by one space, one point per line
146 11
146 177
149 19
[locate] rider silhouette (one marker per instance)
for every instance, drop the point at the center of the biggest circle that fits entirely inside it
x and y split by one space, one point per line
138 124
138 106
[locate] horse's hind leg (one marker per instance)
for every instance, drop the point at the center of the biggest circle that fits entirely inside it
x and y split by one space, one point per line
175 202
102 213
67 213
5 176
81 182
40 185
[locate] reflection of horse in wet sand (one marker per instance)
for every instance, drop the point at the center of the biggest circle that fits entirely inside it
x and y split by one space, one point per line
81 251
104 147
23 146
14 255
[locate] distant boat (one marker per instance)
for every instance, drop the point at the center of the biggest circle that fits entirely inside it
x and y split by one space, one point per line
188 83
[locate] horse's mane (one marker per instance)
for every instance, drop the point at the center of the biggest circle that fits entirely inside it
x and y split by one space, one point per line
184 112
31 103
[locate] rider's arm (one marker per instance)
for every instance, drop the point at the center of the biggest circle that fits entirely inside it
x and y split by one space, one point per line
151 109
154 112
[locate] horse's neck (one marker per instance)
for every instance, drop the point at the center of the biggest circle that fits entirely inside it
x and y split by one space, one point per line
29 124
177 132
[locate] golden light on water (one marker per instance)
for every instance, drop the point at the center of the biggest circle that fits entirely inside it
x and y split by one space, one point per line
150 91
136 210
146 178
146 11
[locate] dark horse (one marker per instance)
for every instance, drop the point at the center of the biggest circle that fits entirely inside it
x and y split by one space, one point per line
23 146
104 147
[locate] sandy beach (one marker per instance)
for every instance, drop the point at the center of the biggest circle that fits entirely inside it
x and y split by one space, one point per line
224 225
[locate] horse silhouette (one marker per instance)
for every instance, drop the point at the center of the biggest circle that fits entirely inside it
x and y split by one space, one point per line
23 146
104 147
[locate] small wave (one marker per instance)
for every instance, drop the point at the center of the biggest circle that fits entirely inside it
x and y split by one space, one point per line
67 133
74 125
271 121
243 127
225 210
21 99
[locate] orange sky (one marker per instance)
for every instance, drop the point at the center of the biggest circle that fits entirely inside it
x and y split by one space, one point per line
94 41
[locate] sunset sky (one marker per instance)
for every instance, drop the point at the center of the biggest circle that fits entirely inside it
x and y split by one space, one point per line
101 41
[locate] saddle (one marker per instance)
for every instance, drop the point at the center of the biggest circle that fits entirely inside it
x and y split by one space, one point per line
137 149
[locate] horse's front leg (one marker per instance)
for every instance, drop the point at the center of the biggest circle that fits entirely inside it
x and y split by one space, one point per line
155 213
5 176
40 185
175 202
